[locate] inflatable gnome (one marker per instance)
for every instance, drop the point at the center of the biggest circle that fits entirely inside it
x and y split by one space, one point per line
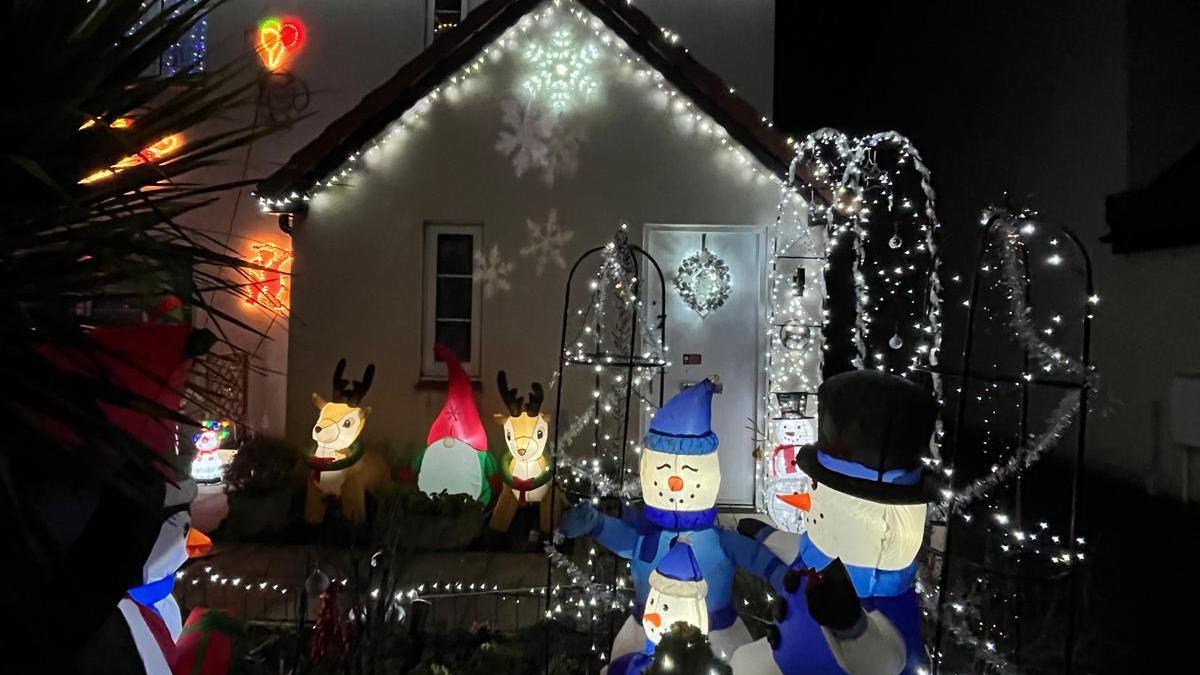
680 476
677 595
457 460
524 468
341 469
848 605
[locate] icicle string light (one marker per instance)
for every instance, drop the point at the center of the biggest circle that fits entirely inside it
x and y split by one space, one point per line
611 54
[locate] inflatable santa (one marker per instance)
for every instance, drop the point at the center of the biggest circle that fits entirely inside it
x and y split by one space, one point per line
680 477
848 604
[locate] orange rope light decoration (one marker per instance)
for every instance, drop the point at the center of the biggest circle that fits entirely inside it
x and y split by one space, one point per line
278 41
268 287
165 146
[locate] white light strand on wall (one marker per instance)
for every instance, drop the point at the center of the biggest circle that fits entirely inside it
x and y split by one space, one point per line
534 25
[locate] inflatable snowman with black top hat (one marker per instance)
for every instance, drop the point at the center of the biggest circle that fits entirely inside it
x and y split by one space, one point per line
849 604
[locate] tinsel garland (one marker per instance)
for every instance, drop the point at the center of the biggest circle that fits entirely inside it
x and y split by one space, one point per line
959 621
330 634
599 594
603 485
1012 277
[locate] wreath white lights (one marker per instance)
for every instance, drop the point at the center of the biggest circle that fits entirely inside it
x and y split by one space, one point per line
702 281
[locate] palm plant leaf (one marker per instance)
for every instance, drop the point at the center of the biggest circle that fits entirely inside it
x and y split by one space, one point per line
76 67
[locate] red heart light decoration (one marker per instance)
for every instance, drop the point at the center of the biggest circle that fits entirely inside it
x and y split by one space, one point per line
290 34
278 39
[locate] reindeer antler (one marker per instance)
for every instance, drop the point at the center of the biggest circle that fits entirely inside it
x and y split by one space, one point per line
339 384
362 386
351 393
536 394
511 400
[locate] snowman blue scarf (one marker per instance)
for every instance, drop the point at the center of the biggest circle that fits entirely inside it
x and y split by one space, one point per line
681 520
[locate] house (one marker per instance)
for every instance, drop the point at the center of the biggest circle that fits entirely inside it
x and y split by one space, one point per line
448 204
349 49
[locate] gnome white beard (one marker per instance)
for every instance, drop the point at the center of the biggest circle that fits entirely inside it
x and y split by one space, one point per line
450 466
865 533
697 477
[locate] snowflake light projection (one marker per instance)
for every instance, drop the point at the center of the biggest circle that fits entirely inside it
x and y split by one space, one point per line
491 271
546 242
560 72
702 281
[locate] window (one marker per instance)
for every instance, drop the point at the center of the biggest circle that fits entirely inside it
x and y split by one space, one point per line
443 15
452 303
191 51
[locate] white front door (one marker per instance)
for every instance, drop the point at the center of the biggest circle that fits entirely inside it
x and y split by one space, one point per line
728 342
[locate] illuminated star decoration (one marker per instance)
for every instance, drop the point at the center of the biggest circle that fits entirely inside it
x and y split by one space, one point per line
560 72
268 288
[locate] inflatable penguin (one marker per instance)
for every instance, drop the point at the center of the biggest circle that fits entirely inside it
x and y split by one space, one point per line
680 477
141 634
848 605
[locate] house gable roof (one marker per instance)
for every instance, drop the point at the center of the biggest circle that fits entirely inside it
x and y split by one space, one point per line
461 44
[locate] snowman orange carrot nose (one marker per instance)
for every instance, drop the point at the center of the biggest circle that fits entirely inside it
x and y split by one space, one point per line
653 619
675 483
800 500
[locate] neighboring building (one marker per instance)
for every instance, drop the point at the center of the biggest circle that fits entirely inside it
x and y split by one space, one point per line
353 47
520 138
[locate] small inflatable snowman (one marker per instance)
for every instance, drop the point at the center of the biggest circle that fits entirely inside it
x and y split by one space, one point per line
677 595
849 604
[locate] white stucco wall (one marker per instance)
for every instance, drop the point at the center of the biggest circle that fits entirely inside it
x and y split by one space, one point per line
358 275
351 48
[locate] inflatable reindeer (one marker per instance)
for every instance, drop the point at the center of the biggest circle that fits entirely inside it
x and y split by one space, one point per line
524 468
341 469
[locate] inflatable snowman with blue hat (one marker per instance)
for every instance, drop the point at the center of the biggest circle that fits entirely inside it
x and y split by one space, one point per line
680 477
677 595
849 604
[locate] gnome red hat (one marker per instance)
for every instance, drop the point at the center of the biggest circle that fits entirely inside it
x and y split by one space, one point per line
459 418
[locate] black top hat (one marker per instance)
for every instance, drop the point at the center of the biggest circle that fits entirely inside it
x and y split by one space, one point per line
872 432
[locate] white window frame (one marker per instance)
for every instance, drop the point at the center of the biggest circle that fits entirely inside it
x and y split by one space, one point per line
436 370
431 17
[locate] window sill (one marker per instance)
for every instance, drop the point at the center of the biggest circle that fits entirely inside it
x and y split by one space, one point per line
440 384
